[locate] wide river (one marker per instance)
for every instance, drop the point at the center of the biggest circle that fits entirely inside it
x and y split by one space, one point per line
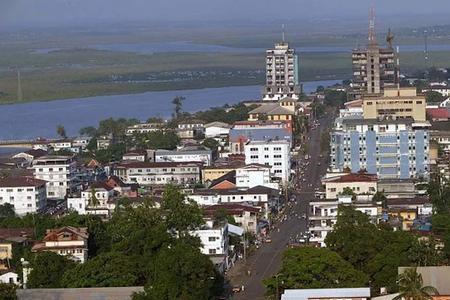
40 119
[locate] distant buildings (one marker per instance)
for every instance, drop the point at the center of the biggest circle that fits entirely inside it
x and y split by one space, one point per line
187 154
25 194
374 68
282 78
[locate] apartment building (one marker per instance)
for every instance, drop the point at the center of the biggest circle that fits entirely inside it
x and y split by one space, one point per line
67 241
93 200
255 175
244 131
271 153
391 149
282 79
25 194
59 172
159 173
395 104
246 216
144 128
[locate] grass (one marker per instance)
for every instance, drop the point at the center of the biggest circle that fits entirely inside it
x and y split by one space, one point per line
82 72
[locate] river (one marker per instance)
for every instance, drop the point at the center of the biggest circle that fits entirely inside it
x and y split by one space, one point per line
40 119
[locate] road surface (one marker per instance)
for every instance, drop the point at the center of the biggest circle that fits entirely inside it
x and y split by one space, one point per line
266 261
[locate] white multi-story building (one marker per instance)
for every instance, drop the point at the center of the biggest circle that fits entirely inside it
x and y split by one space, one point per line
59 145
67 241
81 142
214 238
144 128
323 214
25 194
253 175
282 78
271 153
58 171
158 173
186 154
84 203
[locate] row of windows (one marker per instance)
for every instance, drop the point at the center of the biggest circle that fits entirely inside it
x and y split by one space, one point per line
18 190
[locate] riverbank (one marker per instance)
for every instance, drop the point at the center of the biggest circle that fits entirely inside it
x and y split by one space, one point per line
37 119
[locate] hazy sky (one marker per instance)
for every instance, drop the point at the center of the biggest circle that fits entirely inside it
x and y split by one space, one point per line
67 12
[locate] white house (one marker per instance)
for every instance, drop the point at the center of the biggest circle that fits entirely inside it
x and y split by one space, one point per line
26 194
67 241
135 156
81 142
30 155
9 277
253 175
83 204
58 171
216 129
186 154
274 153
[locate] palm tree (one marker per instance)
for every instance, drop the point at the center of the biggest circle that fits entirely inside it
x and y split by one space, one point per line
178 102
411 287
61 131
93 200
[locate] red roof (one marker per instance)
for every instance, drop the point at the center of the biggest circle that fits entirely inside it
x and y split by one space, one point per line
21 181
353 177
438 113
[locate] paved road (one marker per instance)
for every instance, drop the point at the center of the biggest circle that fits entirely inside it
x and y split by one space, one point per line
266 261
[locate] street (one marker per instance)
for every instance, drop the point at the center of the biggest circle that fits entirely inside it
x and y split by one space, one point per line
266 261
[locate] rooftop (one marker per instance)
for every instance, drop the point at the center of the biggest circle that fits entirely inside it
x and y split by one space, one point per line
407 121
352 177
21 181
137 164
340 293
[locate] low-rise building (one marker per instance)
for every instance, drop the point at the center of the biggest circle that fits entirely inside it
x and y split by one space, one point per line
67 241
282 110
159 173
246 216
81 142
253 175
186 154
213 172
135 156
64 144
104 141
30 155
9 277
359 183
217 129
271 153
93 200
144 128
59 172
25 194
9 238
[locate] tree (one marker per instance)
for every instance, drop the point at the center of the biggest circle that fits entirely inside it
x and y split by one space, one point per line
434 97
180 271
7 210
380 197
309 267
8 291
411 287
178 103
348 192
61 131
90 131
93 200
105 270
48 269
211 144
354 237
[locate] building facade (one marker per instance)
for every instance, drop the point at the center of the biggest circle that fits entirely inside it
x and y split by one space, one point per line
159 173
271 153
187 154
282 78
25 194
395 104
59 172
391 149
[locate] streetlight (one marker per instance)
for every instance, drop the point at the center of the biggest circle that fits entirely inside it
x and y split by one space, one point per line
278 292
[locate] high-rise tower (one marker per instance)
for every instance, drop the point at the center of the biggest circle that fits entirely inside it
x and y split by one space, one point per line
374 68
281 73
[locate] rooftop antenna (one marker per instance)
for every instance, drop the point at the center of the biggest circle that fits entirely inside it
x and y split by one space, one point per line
425 36
19 87
372 35
282 32
390 38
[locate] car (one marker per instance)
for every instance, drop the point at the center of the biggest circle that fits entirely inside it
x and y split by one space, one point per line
268 240
236 289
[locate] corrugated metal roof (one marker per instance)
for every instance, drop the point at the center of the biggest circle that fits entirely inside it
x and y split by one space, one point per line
304 294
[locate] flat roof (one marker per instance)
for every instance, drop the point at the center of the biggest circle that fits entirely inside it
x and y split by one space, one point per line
304 294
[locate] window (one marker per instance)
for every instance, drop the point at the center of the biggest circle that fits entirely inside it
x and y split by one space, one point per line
212 251
20 190
253 149
277 156
9 190
254 156
211 239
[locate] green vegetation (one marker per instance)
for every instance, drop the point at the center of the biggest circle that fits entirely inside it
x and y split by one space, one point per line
411 286
8 291
304 268
139 246
378 251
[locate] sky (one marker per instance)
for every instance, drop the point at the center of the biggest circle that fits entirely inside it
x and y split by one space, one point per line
17 13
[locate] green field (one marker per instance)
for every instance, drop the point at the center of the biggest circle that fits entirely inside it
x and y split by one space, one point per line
78 72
